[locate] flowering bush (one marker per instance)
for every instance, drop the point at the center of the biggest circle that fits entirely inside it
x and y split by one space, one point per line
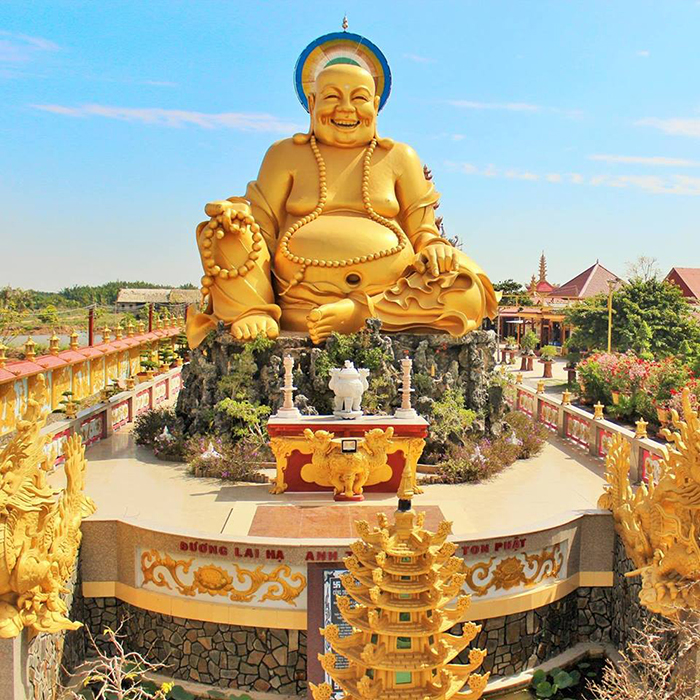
667 377
219 458
530 434
478 460
676 401
169 446
595 376
644 385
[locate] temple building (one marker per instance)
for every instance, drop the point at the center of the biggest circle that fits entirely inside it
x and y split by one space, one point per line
545 314
130 300
401 579
688 279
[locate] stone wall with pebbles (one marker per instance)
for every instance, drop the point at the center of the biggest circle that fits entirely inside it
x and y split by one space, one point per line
523 640
628 614
229 656
50 655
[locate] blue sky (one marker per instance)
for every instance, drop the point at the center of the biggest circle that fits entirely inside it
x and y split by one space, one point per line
572 127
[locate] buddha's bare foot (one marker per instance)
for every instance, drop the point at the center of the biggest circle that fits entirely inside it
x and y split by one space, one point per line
346 316
254 325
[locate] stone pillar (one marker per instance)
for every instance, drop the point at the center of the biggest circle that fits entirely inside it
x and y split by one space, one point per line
13 662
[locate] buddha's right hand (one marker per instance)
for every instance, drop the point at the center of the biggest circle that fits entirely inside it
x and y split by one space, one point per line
227 210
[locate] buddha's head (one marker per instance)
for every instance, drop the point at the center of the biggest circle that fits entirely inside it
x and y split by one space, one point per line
344 106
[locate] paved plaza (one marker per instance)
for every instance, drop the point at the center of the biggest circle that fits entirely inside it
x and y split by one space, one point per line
128 483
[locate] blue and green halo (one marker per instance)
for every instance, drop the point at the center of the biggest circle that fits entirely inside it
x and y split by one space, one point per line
337 48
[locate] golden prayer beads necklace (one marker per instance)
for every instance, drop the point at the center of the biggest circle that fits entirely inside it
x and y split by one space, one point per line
402 240
239 220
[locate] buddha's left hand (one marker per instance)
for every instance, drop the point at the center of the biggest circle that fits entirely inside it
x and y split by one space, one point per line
436 259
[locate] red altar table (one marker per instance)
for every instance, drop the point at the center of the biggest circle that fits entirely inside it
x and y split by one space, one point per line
294 450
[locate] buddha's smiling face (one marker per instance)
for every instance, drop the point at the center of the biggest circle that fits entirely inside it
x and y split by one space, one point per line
344 106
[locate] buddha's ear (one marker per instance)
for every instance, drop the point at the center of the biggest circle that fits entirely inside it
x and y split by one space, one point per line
305 138
376 104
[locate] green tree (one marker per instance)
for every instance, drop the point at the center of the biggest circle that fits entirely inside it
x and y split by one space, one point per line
650 317
514 294
49 315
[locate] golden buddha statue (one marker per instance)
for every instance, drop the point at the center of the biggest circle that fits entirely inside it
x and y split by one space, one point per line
338 227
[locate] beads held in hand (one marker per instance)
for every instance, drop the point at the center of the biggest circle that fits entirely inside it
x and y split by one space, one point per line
231 223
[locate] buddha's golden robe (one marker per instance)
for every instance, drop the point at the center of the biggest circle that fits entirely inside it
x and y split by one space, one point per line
287 189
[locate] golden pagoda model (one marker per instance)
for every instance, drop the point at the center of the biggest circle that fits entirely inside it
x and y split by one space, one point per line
401 579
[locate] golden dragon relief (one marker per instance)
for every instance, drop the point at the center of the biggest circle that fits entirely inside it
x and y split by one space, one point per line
281 583
39 527
659 522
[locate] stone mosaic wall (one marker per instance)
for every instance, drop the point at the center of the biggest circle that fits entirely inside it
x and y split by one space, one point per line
49 655
628 614
523 640
439 363
229 656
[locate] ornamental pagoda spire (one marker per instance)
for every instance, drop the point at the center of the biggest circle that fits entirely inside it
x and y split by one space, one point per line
543 268
400 581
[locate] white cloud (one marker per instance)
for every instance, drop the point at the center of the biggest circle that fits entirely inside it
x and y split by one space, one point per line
654 184
676 126
418 59
644 53
17 48
520 175
645 160
515 107
241 121
508 106
461 167
158 83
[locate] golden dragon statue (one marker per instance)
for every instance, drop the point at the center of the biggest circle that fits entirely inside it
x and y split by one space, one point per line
39 526
659 523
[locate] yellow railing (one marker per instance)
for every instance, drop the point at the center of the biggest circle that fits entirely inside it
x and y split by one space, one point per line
79 372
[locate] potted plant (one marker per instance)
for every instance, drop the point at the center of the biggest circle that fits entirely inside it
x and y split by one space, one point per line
511 345
547 355
182 350
68 405
528 343
166 357
148 367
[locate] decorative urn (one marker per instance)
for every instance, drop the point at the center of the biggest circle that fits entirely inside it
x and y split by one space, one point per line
348 384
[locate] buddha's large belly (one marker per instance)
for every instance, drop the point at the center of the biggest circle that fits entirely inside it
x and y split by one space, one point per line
338 238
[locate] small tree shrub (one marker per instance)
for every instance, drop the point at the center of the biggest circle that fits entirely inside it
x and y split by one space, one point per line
218 458
150 424
657 664
475 460
528 342
548 353
531 434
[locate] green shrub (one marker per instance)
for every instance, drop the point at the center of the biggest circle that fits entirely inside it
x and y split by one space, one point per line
358 347
549 352
149 425
450 421
249 419
529 342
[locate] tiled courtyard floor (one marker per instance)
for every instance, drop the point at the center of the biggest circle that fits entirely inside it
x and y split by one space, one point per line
127 482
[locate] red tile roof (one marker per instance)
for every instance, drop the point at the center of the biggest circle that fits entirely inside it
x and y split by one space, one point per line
687 278
587 284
